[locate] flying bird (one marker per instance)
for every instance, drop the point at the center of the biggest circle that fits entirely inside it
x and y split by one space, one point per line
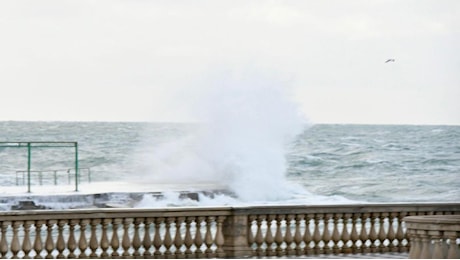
390 60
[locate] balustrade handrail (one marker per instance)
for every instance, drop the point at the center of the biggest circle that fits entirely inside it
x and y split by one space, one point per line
447 222
409 208
412 210
23 215
210 232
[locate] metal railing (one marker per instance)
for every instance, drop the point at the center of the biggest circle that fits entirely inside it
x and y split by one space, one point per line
55 174
42 144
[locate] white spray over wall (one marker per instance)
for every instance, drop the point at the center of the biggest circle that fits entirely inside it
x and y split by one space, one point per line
246 122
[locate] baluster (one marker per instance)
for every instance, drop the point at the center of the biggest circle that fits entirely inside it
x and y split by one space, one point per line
147 241
26 245
426 244
415 248
445 245
104 238
168 240
49 243
326 234
157 242
297 235
115 241
279 235
259 240
372 233
269 238
4 241
307 238
400 236
317 234
38 244
136 238
15 246
453 252
251 238
437 247
60 243
198 238
71 242
208 237
82 243
336 234
382 235
363 234
93 244
188 241
125 241
220 253
354 233
288 239
178 241
345 234
391 232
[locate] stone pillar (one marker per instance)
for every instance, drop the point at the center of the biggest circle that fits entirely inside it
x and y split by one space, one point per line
235 230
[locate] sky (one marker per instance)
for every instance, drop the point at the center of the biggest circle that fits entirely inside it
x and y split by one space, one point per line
139 60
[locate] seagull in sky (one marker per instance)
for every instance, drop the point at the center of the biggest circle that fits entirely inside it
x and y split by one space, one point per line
390 60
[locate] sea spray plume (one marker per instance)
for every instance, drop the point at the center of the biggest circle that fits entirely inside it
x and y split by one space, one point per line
245 124
248 123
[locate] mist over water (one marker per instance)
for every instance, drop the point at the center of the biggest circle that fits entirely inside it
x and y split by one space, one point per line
245 125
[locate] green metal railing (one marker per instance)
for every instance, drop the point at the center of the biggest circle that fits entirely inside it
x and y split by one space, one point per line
54 173
41 144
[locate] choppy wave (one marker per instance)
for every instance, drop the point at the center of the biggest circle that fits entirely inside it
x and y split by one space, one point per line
370 163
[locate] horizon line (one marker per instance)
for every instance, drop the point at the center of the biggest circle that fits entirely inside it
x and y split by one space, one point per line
197 122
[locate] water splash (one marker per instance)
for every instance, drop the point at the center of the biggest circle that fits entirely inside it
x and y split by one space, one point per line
246 121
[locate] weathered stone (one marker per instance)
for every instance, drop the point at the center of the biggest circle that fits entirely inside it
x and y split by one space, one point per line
216 232
430 234
27 205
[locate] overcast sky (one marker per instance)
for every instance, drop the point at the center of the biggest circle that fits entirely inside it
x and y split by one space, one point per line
133 60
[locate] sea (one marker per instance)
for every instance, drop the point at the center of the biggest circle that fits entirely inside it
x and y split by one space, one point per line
321 164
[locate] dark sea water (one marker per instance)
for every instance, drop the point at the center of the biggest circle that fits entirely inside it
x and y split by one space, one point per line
379 162
371 163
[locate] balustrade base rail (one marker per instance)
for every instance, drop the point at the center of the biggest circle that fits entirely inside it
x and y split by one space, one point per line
212 232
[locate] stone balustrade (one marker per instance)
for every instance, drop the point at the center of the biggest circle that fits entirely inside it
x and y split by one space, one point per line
210 232
332 229
434 236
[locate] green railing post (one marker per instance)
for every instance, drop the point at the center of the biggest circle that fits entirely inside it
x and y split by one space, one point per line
41 144
28 166
76 166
